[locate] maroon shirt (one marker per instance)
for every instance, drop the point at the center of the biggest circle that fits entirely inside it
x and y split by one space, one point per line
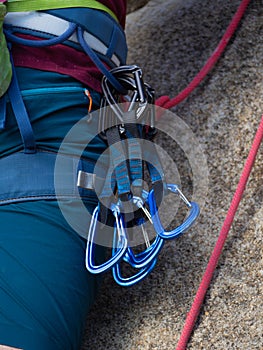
64 59
118 7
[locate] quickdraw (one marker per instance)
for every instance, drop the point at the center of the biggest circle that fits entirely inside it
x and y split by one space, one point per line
126 127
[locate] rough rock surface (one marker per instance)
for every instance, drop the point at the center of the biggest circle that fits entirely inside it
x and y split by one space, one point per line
133 5
171 40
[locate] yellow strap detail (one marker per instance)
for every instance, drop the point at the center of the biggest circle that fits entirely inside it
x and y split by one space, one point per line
38 5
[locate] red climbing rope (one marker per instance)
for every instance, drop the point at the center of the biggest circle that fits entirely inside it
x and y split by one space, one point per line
166 102
201 292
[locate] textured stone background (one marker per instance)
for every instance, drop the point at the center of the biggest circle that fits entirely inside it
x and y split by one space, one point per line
171 40
133 5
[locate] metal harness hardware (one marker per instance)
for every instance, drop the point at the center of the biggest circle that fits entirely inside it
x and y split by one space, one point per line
127 124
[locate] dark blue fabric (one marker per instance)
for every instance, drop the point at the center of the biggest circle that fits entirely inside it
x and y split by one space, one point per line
95 59
21 115
31 177
99 24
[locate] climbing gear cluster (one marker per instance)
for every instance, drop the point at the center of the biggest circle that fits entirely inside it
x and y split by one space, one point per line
127 124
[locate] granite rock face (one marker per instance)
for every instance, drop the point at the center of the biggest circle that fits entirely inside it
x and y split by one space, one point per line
171 40
133 5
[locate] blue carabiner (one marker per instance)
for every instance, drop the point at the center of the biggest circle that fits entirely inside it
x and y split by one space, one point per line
119 251
144 258
194 212
129 281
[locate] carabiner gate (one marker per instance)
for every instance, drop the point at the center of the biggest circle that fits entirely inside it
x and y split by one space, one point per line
145 257
192 216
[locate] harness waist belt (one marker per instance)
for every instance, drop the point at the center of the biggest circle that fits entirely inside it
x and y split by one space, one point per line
28 177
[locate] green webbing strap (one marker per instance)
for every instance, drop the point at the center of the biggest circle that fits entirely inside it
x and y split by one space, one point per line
5 64
38 5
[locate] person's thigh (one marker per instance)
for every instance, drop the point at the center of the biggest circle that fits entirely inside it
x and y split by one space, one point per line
45 289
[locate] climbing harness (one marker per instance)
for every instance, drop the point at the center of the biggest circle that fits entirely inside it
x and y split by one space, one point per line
94 32
126 123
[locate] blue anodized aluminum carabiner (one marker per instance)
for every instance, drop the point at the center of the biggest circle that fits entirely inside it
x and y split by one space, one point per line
192 216
118 253
144 258
133 279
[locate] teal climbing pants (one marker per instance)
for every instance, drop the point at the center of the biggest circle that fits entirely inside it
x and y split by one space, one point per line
45 289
